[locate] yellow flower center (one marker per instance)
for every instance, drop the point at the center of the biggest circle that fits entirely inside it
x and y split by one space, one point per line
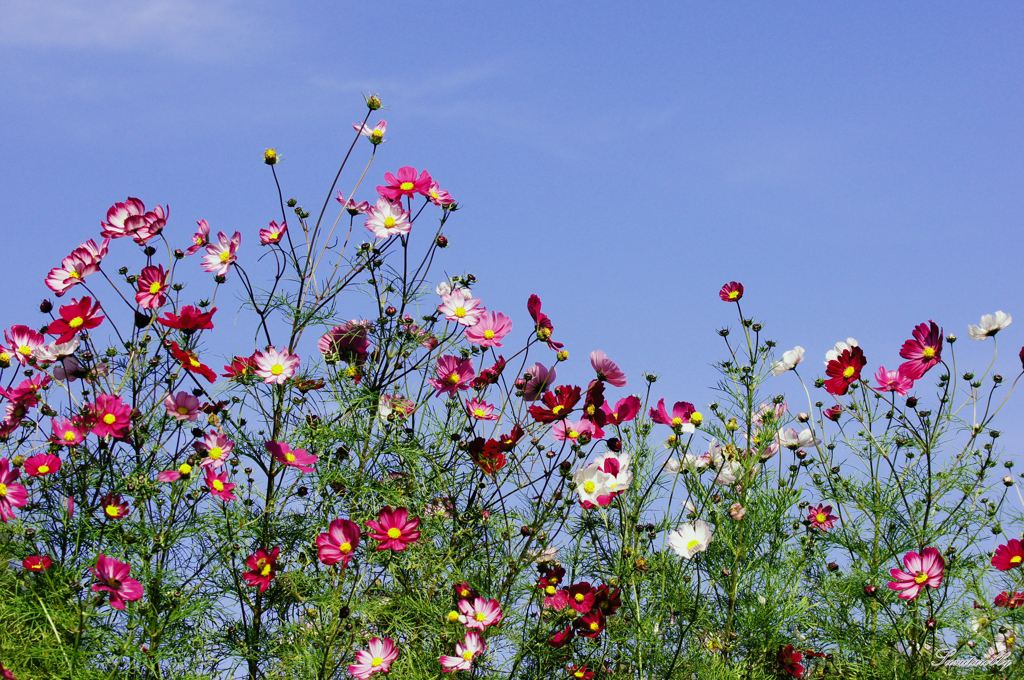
591 410
453 616
389 222
218 485
394 532
460 312
578 674
921 578
216 452
345 547
453 379
479 412
74 275
376 661
376 135
182 410
595 626
467 655
692 544
550 590
225 255
696 419
43 469
290 457
406 186
69 436
185 469
154 287
277 369
1013 560
4 356
489 334
3 490
579 597
109 419
734 294
195 363
558 409
573 434
821 517
848 372
928 352
589 487
25 350
480 616
112 510
676 422
265 571
76 322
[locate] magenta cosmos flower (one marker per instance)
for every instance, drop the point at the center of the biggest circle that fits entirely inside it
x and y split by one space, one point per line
607 370
189 320
490 328
480 613
170 476
471 647
299 458
21 342
109 416
12 494
182 406
387 219
221 255
80 315
219 485
43 464
844 370
273 233
923 351
459 306
394 529
377 659
1008 556
453 374
262 568
731 292
438 196
36 563
821 517
152 287
923 570
625 410
893 381
406 183
681 412
113 578
275 367
201 238
339 543
217 447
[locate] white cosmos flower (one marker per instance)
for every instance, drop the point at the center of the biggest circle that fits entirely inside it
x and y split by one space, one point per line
789 361
444 288
53 351
592 482
990 325
793 440
690 539
833 354
728 471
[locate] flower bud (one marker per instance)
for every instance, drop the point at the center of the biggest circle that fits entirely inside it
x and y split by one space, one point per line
832 566
696 419
930 624
732 425
614 444
870 590
951 338
562 355
911 402
1008 480
390 311
178 253
45 306
373 102
803 417
270 157
441 241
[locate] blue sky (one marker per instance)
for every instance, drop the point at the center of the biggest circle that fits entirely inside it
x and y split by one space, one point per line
858 168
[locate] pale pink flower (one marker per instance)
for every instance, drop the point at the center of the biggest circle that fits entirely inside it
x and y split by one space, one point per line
387 219
439 197
221 255
607 370
276 367
461 309
351 206
480 613
576 432
12 494
182 406
480 411
377 659
200 239
217 448
922 570
21 342
893 381
471 647
374 134
489 329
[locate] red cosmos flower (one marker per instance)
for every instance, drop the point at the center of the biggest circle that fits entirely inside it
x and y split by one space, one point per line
299 458
339 543
844 370
464 592
580 672
581 597
36 563
113 578
789 661
1008 556
625 410
405 184
152 287
731 292
681 412
262 568
109 416
544 325
67 432
114 507
608 600
240 367
559 404
1009 601
487 455
190 362
821 517
190 320
80 315
394 529
563 638
591 624
43 464
923 351
489 376
219 485
834 413
507 442
592 405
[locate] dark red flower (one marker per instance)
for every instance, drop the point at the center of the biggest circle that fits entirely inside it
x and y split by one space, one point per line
581 596
608 600
789 661
562 639
1022 358
489 376
580 672
544 325
834 413
844 370
113 507
486 454
593 405
731 292
262 568
923 351
190 320
464 592
550 575
1009 601
591 624
559 404
190 362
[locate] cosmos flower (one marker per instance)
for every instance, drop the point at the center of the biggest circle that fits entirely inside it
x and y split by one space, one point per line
406 183
922 570
680 419
377 659
275 367
41 465
79 316
821 517
922 352
394 529
789 360
438 196
339 543
893 381
480 613
844 371
463 310
189 320
36 563
387 219
221 255
262 568
731 292
113 578
1008 556
217 448
190 362
489 329
453 374
690 539
990 325
12 494
219 485
299 458
607 370
471 647
374 134
182 406
201 238
557 405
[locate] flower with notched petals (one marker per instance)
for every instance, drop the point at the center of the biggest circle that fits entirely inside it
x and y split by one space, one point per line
36 563
190 362
387 219
262 568
821 517
471 647
67 432
113 578
680 419
217 448
591 624
190 319
109 416
690 539
844 371
43 464
922 570
339 543
480 613
990 325
275 367
922 352
789 361
893 381
12 494
453 374
543 323
219 485
201 238
607 370
731 292
299 458
273 233
557 405
394 529
489 329
406 183
1008 556
113 507
221 255
376 659
80 315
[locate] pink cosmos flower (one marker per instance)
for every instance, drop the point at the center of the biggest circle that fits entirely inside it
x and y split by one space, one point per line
218 449
220 256
152 287
893 381
538 380
67 432
489 329
731 292
923 570
923 351
262 568
276 367
681 412
405 184
117 216
377 659
170 476
471 647
219 485
374 134
480 411
607 370
273 233
439 197
109 416
543 323
299 458
80 315
453 374
347 342
113 507
36 563
387 219
339 543
625 410
21 342
458 307
821 517
1008 556
480 613
200 239
12 494
351 206
113 578
394 529
182 406
43 464
582 432
83 260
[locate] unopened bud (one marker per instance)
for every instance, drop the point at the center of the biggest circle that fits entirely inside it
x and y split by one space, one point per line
803 417
562 355
441 241
270 157
373 102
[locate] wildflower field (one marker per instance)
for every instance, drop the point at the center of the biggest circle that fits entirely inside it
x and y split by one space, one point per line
364 470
